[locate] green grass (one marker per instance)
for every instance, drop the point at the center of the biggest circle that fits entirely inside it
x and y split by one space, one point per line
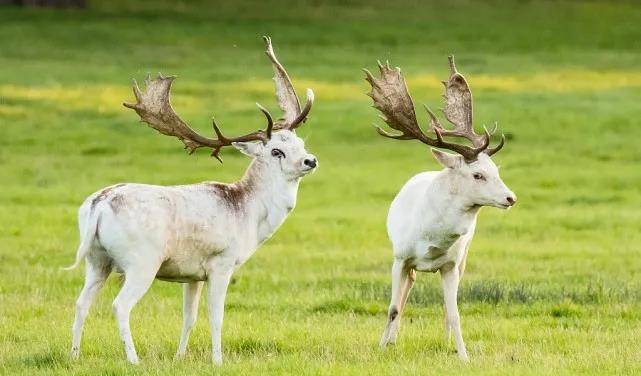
551 287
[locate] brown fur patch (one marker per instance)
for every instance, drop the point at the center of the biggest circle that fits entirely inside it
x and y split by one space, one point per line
117 202
393 312
103 194
233 195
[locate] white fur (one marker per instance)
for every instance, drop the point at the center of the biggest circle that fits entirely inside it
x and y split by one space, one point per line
431 223
191 234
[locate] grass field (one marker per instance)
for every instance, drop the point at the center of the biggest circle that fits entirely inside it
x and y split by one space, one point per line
551 287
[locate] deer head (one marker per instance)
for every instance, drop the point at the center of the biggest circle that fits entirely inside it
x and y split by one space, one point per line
276 146
473 172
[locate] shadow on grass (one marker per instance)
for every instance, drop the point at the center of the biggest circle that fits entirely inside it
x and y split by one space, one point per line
244 347
44 360
365 298
347 305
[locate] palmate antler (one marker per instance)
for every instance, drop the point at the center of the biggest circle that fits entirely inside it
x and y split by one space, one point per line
287 98
154 108
391 97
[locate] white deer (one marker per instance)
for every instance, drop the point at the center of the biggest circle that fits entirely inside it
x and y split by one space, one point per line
432 219
191 233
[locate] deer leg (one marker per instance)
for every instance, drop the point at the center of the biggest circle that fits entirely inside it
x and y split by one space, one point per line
191 297
218 283
461 267
409 282
409 279
137 282
399 275
450 281
95 276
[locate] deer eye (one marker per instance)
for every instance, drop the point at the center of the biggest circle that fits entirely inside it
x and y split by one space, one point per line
478 176
278 153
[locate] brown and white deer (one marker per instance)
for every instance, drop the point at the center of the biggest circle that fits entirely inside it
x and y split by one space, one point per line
195 233
432 219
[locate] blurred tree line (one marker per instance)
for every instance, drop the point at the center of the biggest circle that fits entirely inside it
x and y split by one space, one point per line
47 3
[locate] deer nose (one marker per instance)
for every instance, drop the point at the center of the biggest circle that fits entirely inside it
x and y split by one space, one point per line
511 200
310 162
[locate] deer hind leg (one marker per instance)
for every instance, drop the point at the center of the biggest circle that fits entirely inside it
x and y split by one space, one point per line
409 279
461 267
137 282
407 287
96 272
399 277
450 280
191 297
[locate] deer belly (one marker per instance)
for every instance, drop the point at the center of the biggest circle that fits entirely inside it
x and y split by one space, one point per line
174 270
435 258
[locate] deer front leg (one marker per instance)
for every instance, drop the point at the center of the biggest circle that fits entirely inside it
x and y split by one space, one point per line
450 280
399 277
218 282
191 297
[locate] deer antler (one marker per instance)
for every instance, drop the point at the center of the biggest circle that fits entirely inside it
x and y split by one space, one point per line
457 109
293 116
392 99
154 107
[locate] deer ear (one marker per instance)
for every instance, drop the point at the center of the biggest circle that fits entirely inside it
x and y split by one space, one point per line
251 149
448 160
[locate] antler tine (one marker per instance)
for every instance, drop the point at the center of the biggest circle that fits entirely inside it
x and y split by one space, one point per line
468 153
303 114
137 94
221 137
369 78
494 150
384 133
495 126
491 151
154 108
434 123
450 59
270 120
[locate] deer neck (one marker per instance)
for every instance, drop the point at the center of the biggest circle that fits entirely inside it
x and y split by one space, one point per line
272 197
450 198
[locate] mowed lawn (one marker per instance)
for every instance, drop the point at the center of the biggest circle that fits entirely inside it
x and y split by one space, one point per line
551 287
